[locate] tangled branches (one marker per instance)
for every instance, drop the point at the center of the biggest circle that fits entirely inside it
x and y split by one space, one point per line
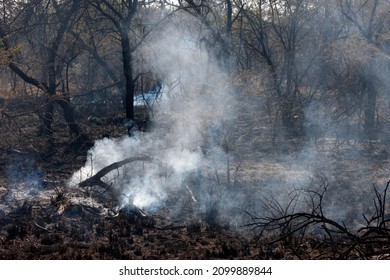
334 239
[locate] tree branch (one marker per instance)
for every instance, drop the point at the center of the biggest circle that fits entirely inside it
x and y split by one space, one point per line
96 179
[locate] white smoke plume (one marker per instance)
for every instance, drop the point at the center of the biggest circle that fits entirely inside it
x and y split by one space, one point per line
189 125
198 147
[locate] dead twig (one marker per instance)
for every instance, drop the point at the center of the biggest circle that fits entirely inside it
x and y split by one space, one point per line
41 227
284 223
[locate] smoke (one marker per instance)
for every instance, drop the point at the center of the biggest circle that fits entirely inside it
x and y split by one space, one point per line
24 182
191 123
205 150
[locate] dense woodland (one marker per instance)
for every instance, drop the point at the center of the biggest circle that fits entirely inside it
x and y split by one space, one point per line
244 81
291 53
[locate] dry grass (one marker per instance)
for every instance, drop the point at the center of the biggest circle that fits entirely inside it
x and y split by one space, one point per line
58 222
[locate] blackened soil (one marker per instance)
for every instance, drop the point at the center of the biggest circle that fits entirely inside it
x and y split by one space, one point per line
57 228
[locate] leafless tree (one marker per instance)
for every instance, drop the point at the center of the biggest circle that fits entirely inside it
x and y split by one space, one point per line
27 19
131 32
290 38
367 20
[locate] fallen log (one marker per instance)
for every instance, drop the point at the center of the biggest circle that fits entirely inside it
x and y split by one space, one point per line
96 179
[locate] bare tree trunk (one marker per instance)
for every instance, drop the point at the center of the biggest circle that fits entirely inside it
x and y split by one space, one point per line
47 121
52 63
292 115
71 121
128 73
121 16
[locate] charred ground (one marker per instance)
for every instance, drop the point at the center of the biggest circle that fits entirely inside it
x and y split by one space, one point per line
54 226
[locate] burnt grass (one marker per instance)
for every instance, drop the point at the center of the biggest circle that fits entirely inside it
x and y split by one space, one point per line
55 228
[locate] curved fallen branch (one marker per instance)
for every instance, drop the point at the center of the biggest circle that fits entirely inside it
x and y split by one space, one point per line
96 179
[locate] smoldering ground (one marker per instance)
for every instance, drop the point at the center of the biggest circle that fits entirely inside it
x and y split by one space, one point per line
204 157
189 127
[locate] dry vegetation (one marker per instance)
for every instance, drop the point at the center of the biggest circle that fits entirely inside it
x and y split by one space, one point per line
272 142
53 221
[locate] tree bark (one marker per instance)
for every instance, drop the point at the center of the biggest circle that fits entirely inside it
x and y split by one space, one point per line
121 19
96 179
128 73
52 65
